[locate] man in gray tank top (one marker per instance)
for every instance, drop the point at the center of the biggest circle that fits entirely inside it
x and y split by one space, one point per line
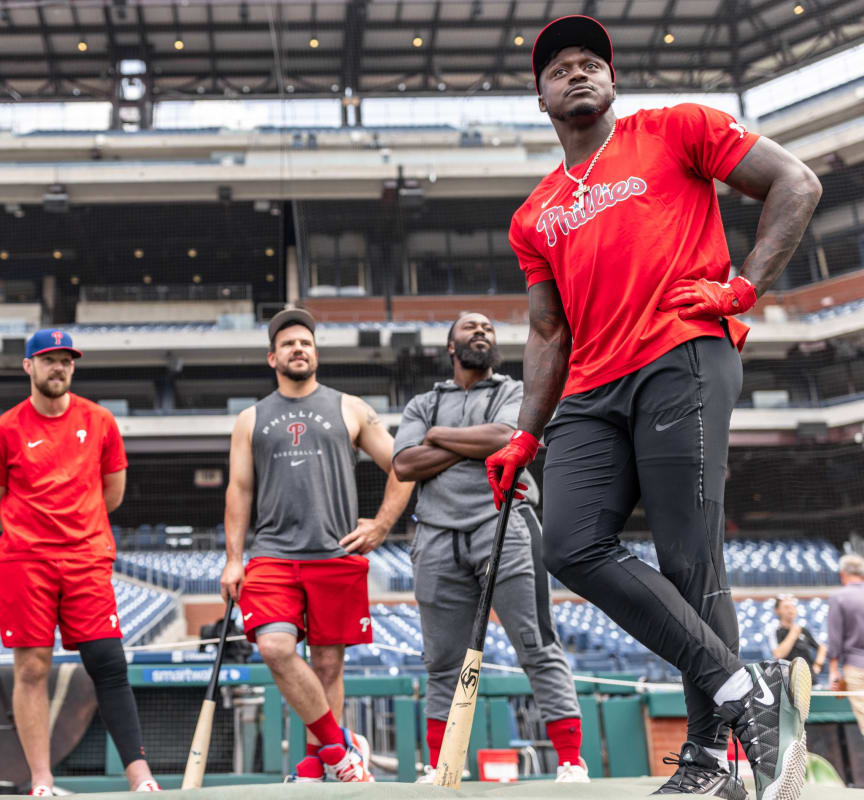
294 453
444 436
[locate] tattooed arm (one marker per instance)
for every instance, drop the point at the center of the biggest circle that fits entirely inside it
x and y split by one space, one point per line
547 353
790 192
375 440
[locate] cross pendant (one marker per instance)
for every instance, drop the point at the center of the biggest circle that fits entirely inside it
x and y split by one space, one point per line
577 195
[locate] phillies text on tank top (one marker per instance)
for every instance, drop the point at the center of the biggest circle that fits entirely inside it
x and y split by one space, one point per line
304 468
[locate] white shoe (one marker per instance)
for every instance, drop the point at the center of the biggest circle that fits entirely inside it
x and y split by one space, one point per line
428 775
348 769
572 773
360 743
42 791
149 786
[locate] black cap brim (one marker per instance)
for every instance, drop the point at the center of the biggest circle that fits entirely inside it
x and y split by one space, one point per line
290 316
575 30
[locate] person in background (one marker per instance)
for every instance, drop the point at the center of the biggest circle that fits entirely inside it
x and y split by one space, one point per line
846 633
791 640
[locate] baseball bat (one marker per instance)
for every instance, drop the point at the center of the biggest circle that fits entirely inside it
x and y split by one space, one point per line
454 746
196 764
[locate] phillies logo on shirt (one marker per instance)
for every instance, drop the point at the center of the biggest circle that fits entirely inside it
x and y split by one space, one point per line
297 429
601 197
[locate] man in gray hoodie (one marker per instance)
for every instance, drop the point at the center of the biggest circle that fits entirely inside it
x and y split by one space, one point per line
442 442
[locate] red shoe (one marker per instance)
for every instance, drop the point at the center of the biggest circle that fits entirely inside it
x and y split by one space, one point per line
344 765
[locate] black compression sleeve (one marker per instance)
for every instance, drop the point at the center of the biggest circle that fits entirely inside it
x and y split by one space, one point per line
105 663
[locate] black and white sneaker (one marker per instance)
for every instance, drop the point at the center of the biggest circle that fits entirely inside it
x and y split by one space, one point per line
769 723
700 773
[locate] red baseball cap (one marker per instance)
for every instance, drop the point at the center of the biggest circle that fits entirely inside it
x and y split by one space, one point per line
575 30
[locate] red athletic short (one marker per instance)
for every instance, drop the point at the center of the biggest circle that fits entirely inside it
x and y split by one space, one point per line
327 599
36 596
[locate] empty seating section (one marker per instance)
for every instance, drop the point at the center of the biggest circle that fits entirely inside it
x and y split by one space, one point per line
142 611
751 562
748 563
190 572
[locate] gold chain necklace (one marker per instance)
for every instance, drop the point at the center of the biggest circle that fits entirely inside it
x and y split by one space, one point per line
581 188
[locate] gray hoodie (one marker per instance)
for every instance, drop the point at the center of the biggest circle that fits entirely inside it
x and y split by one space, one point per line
459 498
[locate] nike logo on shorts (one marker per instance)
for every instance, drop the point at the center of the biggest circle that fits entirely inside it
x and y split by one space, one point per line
33 444
297 463
659 427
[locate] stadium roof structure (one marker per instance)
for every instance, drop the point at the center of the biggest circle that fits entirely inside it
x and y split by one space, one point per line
136 52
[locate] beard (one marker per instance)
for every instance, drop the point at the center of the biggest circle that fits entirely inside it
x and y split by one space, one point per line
52 390
298 375
476 359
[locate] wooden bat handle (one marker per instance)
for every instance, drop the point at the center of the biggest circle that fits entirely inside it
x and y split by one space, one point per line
197 761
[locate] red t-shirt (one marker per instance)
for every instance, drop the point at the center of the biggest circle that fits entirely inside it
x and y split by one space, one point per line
52 469
650 219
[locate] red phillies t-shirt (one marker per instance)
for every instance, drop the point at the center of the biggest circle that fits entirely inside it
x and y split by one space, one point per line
650 219
52 469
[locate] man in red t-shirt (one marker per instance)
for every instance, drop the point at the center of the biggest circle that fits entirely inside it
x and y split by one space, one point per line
62 469
632 321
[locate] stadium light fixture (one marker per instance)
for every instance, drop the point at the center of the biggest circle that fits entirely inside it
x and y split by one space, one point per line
313 42
417 41
798 10
82 46
179 44
518 40
669 37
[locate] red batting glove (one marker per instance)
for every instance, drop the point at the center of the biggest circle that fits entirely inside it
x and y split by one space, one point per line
704 299
502 466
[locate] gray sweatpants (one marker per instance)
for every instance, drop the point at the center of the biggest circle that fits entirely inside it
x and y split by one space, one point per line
449 573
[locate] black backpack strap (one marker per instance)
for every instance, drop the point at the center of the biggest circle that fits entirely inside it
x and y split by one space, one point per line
492 395
434 418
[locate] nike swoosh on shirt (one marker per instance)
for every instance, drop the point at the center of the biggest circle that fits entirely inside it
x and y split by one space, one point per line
549 199
296 463
33 444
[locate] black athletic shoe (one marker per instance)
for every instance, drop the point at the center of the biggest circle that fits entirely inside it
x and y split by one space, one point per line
700 773
769 723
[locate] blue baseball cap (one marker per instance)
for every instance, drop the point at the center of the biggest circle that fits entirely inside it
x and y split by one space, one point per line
50 339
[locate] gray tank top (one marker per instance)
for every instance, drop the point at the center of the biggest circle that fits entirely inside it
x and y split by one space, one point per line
304 468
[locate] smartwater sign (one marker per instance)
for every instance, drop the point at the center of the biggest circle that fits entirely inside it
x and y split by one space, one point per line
178 675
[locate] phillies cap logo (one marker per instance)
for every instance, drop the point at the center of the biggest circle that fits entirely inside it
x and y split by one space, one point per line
57 336
298 429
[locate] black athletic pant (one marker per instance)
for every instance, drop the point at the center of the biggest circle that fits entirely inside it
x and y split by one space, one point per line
661 433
